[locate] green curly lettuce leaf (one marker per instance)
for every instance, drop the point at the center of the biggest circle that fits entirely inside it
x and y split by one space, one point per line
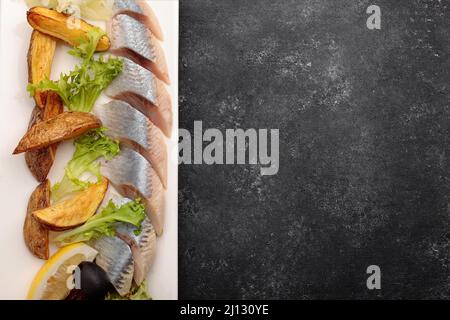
136 293
80 88
90 147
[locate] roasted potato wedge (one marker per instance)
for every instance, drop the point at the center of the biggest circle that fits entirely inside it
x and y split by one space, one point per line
34 233
40 161
53 106
74 211
64 126
40 59
62 26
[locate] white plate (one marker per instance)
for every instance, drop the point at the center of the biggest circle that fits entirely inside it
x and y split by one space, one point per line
18 266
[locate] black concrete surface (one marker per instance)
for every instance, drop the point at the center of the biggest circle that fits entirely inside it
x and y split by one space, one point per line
364 143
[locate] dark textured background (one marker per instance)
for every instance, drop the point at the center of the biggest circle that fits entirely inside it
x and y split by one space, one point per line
364 142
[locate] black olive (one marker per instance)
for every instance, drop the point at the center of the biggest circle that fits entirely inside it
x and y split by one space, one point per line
94 282
76 294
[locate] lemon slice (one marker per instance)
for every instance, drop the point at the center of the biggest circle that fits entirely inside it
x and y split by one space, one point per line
51 282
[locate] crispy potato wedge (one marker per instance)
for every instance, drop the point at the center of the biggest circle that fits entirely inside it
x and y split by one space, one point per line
40 59
53 106
40 161
64 126
62 26
74 211
34 233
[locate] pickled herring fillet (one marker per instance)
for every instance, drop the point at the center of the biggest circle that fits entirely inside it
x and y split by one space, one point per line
134 130
142 90
132 40
140 11
143 247
134 177
115 257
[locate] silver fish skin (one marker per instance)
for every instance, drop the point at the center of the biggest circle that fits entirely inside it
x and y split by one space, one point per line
136 79
136 131
115 257
134 177
143 247
141 89
121 5
131 39
140 11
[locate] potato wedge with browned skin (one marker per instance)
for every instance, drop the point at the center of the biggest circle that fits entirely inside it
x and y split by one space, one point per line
53 106
63 26
40 161
64 126
34 233
40 58
74 211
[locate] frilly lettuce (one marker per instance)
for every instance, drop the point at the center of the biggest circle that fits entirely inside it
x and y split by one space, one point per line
136 293
88 149
80 88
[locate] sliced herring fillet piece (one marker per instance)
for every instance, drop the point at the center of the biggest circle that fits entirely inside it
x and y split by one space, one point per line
140 11
131 39
134 177
134 130
143 247
115 257
141 89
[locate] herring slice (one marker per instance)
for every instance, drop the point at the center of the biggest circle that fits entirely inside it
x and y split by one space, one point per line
143 247
142 90
114 256
131 39
134 177
140 11
134 130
